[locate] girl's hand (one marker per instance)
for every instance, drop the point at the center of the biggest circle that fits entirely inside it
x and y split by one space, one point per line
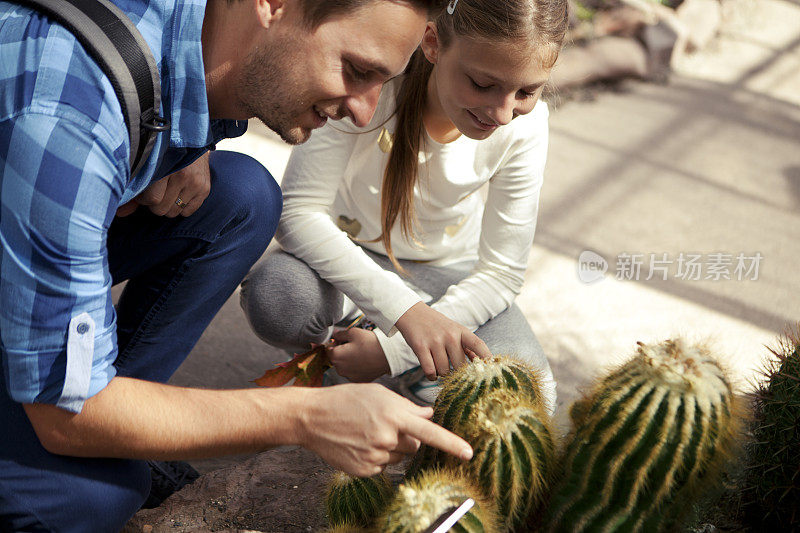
438 341
358 356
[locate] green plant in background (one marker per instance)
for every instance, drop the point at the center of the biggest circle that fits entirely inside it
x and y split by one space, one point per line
419 503
581 11
771 494
648 441
461 390
356 501
514 455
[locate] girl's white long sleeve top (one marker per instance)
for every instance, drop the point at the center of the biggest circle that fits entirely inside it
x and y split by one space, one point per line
332 196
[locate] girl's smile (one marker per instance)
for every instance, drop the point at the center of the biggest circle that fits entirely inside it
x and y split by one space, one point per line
480 124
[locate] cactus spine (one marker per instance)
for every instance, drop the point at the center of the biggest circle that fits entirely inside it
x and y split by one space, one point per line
348 528
356 501
420 502
462 389
650 438
772 482
514 454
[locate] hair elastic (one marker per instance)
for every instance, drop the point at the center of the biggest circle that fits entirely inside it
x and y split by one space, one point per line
451 7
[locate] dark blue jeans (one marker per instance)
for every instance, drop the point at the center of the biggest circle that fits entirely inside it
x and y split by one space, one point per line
180 272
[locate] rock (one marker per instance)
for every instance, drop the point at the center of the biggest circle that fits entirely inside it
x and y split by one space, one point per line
623 21
601 59
701 18
256 495
659 40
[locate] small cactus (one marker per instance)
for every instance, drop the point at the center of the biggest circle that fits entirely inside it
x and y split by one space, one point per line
348 528
356 501
650 438
771 495
461 390
419 503
514 454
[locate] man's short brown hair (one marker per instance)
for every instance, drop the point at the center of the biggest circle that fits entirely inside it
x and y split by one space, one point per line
316 12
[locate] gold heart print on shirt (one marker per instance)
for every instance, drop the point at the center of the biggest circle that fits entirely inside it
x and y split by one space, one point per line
351 226
385 141
452 230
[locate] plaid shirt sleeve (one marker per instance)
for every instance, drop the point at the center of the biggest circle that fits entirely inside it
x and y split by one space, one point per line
62 176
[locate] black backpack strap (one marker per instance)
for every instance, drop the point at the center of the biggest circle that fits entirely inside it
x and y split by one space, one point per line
113 41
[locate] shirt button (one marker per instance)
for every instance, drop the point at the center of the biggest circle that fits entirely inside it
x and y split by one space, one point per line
82 328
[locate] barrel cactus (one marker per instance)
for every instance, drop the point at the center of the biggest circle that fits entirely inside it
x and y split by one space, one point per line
419 503
772 481
649 439
348 528
355 500
461 390
514 454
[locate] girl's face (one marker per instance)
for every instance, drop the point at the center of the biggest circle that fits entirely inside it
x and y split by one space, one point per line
481 84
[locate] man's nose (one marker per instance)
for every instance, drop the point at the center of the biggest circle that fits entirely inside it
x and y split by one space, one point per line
361 106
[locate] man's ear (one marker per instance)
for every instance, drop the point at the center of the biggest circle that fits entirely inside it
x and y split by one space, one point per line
430 43
268 11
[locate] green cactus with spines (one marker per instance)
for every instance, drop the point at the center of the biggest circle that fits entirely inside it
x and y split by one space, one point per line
648 441
356 501
349 528
514 454
771 495
420 502
462 388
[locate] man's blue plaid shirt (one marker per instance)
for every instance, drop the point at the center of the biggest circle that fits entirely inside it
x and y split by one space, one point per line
64 171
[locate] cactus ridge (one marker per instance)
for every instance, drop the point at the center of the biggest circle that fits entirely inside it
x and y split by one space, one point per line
356 501
514 453
649 443
610 432
772 478
663 465
462 389
420 502
578 456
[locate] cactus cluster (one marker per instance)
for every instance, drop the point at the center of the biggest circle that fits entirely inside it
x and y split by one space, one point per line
355 501
461 391
772 482
649 439
497 406
420 502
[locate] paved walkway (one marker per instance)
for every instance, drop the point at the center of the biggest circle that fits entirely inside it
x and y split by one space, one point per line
709 164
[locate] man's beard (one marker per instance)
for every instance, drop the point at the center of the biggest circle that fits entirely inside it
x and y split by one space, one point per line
269 91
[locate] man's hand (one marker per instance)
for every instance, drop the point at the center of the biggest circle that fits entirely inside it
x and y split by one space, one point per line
358 356
362 428
191 185
438 341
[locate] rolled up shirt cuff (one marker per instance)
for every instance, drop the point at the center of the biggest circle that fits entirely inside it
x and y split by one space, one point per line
398 353
390 314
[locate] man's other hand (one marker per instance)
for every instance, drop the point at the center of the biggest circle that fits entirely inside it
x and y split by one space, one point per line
189 187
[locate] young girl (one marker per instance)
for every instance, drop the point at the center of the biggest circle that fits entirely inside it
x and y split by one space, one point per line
389 220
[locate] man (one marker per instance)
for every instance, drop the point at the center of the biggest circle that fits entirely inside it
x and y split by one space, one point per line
82 394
